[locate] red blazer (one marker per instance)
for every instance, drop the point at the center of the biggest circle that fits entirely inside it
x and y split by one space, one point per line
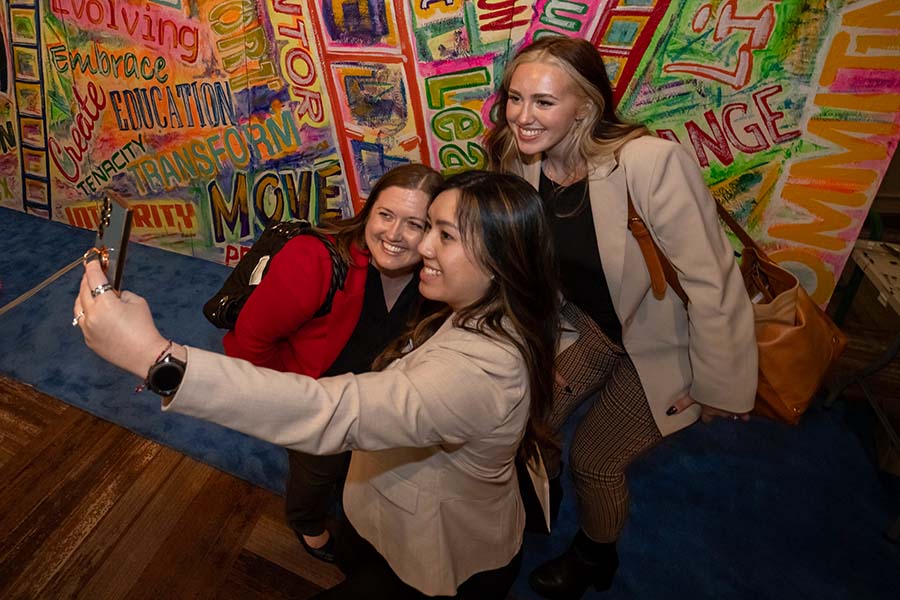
276 328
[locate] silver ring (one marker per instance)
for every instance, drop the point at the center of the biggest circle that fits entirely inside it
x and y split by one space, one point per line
77 318
101 289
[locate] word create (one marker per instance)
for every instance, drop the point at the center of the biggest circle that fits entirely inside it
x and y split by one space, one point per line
82 131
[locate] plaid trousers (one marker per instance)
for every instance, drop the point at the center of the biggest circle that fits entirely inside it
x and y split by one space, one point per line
616 429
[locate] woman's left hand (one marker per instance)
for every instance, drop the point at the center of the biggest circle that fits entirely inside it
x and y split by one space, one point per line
707 413
119 328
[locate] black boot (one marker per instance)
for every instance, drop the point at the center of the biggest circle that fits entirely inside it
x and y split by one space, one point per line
569 575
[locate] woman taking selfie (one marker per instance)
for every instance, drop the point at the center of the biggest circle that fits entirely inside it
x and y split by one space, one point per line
432 483
649 366
281 326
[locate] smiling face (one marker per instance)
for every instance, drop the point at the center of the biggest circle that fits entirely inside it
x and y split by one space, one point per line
450 272
542 107
394 229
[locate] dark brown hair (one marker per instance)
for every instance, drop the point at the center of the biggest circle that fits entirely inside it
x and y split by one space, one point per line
502 223
414 176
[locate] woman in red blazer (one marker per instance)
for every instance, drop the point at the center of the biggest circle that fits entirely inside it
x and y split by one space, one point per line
277 327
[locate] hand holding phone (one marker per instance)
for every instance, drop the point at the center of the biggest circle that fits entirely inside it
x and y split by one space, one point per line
113 231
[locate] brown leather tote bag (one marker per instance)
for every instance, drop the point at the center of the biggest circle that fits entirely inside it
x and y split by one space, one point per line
797 342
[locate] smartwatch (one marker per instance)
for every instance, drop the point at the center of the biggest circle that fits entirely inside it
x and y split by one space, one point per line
165 375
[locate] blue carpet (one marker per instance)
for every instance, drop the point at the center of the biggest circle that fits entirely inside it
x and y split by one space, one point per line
750 511
38 345
723 511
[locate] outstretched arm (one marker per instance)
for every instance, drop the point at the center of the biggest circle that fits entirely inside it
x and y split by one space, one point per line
445 398
459 392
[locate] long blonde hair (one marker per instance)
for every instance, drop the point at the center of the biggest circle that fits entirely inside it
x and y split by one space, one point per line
601 132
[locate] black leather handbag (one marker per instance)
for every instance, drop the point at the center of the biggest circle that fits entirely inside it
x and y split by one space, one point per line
223 308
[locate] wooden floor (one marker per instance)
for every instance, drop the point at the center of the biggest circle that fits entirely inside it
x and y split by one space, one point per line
91 510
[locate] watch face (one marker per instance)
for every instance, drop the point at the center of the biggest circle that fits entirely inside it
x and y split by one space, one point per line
167 376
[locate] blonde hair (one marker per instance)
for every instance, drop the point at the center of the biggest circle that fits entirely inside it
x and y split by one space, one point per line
599 133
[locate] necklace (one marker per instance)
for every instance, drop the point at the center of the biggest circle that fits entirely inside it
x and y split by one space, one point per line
565 179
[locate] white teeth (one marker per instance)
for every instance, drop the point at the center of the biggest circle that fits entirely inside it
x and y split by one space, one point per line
392 248
430 271
530 132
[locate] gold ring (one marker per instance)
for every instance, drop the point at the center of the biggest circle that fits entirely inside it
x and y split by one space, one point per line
77 318
101 289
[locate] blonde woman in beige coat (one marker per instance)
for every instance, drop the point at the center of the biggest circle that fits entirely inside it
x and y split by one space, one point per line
649 367
432 488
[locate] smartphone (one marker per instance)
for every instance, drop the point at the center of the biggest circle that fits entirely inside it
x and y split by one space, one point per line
113 231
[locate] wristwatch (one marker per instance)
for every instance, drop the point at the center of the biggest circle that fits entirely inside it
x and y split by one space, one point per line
165 375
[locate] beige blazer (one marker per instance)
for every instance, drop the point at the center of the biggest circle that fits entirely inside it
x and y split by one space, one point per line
708 351
433 484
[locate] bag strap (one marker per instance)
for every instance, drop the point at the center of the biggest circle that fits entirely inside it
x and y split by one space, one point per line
739 231
339 270
658 264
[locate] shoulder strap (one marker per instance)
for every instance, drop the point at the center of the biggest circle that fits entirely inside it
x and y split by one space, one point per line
742 235
339 270
658 264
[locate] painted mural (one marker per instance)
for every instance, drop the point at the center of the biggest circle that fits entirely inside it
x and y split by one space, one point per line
215 117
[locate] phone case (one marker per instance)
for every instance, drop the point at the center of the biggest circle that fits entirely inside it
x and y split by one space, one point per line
113 232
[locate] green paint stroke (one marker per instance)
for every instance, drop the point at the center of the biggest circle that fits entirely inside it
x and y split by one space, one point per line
23 27
684 101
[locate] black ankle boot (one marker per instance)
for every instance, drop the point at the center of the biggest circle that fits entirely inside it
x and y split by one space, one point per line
569 575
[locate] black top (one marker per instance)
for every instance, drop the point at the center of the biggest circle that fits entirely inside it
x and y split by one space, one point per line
376 327
575 241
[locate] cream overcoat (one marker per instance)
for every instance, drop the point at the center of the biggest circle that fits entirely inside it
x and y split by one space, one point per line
709 351
432 483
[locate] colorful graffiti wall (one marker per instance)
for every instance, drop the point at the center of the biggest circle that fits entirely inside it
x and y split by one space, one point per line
215 117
